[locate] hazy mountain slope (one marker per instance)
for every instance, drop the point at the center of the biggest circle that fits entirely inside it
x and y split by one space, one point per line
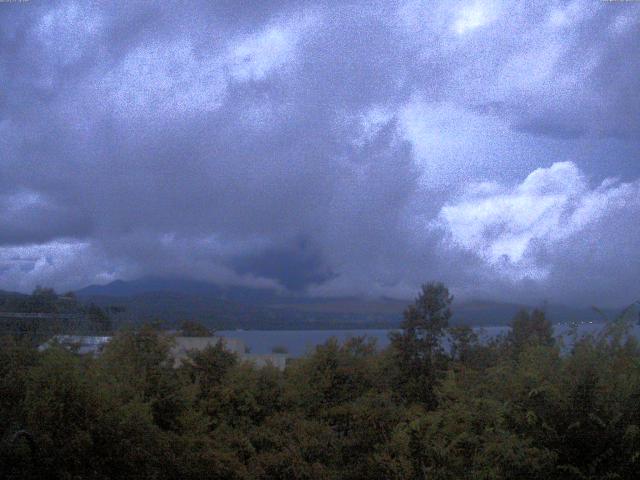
173 300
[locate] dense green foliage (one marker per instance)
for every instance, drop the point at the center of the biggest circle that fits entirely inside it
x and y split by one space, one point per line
42 300
44 313
521 406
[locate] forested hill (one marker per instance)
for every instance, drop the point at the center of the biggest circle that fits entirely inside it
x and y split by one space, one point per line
42 300
174 300
45 313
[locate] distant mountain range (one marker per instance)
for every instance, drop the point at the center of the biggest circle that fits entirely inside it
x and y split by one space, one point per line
4 295
120 288
171 300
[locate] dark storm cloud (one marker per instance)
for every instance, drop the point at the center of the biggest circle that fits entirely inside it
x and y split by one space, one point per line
551 127
299 144
295 265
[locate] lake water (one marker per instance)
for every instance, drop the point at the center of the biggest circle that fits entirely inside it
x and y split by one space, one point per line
299 342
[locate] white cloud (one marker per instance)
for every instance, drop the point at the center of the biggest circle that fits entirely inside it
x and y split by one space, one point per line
17 202
165 78
67 30
71 263
176 77
503 225
474 16
255 56
450 142
363 126
25 266
567 14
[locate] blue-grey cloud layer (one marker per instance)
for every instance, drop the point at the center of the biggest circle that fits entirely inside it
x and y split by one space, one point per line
357 147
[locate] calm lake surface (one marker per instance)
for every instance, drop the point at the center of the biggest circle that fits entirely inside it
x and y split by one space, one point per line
299 342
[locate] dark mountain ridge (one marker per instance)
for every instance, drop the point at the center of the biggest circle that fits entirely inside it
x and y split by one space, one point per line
174 299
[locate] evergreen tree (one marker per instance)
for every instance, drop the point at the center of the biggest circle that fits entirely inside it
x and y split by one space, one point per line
530 328
418 349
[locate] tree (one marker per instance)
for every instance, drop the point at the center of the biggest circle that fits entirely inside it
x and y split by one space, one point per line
141 365
418 351
530 329
16 361
42 300
207 368
463 343
60 407
189 328
99 321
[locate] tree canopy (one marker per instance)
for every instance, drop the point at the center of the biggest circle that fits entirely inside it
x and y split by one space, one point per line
516 407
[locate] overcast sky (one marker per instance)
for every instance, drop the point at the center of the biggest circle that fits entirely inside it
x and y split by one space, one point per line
324 147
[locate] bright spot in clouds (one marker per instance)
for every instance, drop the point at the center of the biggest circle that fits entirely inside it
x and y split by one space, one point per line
473 16
502 224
